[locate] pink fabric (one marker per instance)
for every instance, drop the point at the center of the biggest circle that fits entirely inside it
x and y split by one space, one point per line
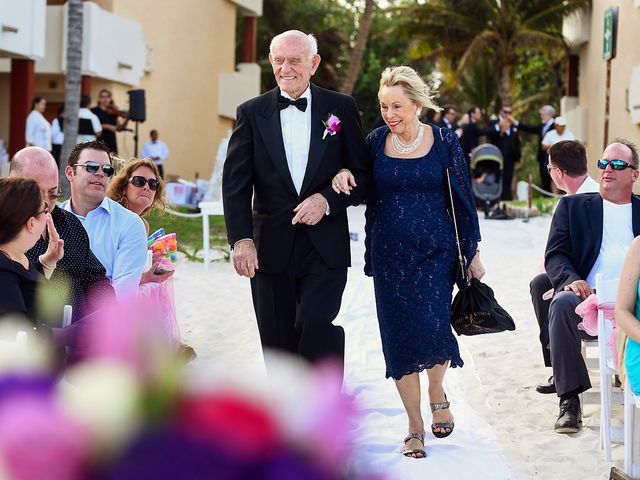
160 296
588 310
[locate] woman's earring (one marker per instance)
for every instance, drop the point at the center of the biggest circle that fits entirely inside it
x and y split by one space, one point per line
418 111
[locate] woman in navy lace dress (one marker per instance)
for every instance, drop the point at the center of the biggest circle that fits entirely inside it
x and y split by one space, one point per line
411 250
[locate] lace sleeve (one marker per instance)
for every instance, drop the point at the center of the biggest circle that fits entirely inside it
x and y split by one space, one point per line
372 141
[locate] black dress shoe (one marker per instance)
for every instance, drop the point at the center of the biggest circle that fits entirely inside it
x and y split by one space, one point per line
570 418
548 387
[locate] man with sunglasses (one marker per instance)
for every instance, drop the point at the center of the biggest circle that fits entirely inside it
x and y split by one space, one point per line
590 233
79 274
117 235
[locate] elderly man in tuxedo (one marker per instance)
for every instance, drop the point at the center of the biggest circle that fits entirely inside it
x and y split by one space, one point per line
590 233
293 242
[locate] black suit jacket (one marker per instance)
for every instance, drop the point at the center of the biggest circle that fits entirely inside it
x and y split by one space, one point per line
471 134
256 167
575 237
509 144
540 132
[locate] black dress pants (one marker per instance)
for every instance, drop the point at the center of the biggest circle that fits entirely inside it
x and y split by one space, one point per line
295 309
538 286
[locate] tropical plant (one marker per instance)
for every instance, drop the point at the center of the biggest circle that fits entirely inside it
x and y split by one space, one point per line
360 44
73 83
501 31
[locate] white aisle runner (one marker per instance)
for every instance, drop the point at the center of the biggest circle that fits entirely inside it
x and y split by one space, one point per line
472 451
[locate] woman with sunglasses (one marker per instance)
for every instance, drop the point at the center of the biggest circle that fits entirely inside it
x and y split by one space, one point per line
138 187
24 216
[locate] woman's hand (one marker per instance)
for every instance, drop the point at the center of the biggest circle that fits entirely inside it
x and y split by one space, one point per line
344 181
55 248
476 270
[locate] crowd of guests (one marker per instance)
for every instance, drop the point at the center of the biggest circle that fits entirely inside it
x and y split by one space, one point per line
92 248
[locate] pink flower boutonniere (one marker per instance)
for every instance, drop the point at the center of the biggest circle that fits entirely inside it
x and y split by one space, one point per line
331 125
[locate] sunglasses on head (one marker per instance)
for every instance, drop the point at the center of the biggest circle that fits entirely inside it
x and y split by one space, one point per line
615 164
93 167
139 181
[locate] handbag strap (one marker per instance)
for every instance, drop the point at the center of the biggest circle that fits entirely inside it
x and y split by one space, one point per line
463 270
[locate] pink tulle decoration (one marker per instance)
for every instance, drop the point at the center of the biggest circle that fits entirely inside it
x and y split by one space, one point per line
588 310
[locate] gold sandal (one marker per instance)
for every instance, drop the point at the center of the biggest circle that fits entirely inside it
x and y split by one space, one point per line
414 452
441 425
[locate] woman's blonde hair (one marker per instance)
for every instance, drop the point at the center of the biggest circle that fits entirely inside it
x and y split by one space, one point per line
118 184
414 87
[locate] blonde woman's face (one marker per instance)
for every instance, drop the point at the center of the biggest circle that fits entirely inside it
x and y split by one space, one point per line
140 198
397 110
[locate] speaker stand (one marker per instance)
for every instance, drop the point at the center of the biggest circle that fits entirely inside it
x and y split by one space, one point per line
135 140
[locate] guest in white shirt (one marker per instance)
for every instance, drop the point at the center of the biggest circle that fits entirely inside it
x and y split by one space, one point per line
89 126
156 150
57 135
38 130
557 134
117 236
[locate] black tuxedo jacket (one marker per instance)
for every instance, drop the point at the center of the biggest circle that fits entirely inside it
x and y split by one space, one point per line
470 138
575 237
256 167
509 145
540 132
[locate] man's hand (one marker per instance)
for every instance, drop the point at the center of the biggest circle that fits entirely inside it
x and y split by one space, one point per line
245 258
311 210
580 288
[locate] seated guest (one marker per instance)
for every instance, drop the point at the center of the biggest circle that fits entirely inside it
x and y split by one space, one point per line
79 272
24 216
590 233
139 187
628 313
567 165
116 235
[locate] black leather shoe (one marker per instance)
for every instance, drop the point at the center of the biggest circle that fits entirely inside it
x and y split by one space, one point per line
570 418
548 387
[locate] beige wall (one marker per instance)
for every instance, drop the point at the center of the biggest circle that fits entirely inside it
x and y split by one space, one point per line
592 81
190 47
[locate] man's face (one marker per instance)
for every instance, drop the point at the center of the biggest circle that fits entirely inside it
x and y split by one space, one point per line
506 111
545 117
450 115
90 188
615 181
292 64
556 174
47 180
154 136
475 114
560 129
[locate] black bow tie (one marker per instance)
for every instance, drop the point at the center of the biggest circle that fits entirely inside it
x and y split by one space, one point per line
300 103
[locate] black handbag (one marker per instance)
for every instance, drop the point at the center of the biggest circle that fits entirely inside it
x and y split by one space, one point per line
474 310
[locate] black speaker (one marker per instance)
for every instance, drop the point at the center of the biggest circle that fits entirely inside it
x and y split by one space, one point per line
137 106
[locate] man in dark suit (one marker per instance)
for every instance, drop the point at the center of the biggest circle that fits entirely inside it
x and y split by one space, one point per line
590 233
294 243
504 135
471 132
448 119
546 124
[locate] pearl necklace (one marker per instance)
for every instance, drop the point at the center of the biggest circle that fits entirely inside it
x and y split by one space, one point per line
406 148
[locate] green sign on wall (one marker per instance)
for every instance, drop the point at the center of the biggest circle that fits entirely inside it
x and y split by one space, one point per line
610 30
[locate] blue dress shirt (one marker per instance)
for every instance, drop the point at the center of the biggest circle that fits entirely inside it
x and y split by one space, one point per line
118 239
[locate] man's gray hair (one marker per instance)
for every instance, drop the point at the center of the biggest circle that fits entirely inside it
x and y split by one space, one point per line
311 41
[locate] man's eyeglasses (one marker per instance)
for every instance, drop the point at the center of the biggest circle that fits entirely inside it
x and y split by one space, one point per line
93 167
140 182
54 193
506 112
615 164
551 167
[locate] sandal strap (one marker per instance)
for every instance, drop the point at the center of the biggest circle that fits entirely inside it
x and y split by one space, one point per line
439 406
414 435
442 425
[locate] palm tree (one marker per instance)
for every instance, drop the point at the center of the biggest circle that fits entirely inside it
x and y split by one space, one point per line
464 31
359 47
73 84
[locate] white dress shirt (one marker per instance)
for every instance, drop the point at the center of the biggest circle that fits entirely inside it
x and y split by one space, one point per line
38 131
296 136
95 123
118 239
589 185
153 149
552 137
57 135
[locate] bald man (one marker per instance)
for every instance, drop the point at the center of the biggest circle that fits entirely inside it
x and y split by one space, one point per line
79 275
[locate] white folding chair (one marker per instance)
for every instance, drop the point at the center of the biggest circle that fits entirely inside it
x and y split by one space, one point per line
606 290
631 432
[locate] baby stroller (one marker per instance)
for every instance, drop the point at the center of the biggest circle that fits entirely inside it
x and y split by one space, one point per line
486 179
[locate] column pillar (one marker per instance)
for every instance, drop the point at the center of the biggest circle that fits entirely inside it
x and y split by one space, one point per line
249 39
85 89
21 91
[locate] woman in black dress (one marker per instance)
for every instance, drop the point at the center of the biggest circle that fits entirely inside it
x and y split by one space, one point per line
24 217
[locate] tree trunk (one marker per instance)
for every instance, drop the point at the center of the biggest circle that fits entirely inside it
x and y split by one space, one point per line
505 84
73 85
359 48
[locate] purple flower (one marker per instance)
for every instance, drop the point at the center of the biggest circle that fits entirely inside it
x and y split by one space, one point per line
332 125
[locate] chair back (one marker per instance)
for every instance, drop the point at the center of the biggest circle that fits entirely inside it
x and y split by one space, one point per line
606 291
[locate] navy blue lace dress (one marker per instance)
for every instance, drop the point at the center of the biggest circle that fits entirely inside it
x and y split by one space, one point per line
412 253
